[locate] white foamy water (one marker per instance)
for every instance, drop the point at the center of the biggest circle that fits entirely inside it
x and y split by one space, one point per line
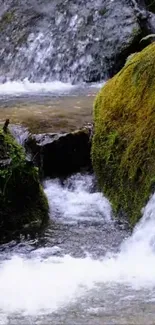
73 201
19 88
40 285
20 133
25 87
98 85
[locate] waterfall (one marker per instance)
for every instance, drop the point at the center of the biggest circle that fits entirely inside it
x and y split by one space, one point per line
70 41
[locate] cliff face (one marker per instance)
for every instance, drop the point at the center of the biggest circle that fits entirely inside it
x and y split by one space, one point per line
123 149
68 40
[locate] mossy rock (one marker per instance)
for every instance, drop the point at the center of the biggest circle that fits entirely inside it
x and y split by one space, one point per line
123 149
23 205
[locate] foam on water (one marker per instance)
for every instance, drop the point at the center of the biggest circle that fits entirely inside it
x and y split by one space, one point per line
19 88
25 87
42 285
75 201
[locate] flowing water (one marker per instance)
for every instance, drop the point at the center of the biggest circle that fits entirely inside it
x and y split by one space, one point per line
47 107
85 268
78 40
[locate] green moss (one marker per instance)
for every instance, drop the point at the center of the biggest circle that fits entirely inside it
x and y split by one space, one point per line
123 150
103 11
6 19
135 31
22 201
8 16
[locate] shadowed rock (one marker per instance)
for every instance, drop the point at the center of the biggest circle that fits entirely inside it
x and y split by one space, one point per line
61 154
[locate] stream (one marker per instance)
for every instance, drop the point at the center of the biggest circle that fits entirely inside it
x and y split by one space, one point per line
47 107
86 268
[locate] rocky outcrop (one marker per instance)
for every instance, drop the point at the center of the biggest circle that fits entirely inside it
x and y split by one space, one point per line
60 154
69 40
123 150
144 11
23 205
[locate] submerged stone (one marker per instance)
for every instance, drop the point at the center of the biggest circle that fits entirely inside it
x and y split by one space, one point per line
23 205
123 150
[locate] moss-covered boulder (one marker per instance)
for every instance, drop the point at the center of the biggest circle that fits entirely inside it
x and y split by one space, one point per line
23 205
123 150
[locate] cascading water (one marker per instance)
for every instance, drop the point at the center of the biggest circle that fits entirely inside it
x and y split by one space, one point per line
70 41
85 268
47 46
80 272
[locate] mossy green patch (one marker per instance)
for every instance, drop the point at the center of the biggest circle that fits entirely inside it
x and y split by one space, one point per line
6 19
103 11
123 150
23 204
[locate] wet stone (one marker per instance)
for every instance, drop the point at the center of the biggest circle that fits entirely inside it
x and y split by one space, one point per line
61 154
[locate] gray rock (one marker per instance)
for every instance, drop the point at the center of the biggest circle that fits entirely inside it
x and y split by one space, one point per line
78 40
60 154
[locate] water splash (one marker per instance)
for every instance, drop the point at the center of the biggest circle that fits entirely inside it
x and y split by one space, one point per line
18 88
74 41
42 283
75 201
20 133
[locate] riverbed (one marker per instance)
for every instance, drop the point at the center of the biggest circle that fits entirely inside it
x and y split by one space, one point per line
56 109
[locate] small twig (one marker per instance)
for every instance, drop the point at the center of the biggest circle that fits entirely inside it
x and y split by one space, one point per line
149 5
5 127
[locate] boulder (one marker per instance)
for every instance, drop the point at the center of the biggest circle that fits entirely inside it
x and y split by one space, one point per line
123 150
68 40
23 205
60 154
